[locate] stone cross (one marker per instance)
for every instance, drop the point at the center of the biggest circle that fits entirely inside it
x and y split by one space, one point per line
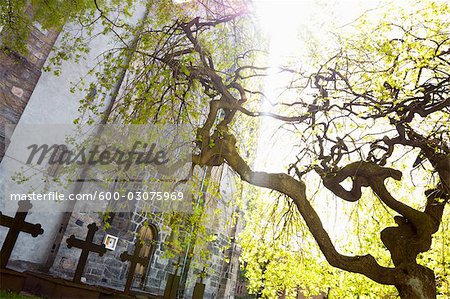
16 226
134 260
86 246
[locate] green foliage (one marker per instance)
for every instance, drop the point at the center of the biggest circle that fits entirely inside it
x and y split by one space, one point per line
406 45
11 295
387 57
277 258
18 16
438 258
12 18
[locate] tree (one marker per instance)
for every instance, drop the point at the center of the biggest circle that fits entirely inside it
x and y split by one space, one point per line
403 78
17 18
399 76
381 98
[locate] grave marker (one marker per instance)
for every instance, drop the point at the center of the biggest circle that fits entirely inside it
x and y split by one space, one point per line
199 288
86 247
134 260
16 226
173 281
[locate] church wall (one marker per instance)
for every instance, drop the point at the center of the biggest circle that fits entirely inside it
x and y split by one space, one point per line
223 263
50 102
19 75
110 271
44 99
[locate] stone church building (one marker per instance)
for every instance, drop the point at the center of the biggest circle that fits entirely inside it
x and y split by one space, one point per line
31 96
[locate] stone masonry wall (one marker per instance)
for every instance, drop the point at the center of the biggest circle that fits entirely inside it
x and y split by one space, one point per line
109 270
19 76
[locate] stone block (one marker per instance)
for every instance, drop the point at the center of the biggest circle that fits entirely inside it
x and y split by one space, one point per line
96 271
17 91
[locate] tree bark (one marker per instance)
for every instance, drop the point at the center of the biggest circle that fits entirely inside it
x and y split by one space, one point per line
419 283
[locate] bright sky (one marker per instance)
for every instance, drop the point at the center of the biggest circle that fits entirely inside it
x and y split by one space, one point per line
283 22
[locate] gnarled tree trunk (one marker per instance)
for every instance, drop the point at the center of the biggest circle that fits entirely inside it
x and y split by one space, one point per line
412 235
419 282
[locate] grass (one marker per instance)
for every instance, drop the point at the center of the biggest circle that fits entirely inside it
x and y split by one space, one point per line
11 295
